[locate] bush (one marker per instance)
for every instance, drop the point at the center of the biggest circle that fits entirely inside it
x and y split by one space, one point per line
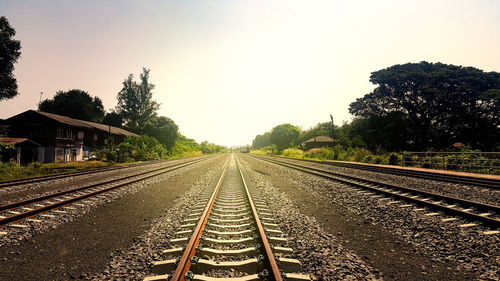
360 153
293 153
143 148
320 153
268 150
184 146
10 171
368 159
393 159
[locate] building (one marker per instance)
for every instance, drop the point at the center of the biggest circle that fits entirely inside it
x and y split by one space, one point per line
61 138
319 141
22 150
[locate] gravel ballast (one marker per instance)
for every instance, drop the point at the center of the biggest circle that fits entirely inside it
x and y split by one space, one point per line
468 192
81 248
322 257
35 189
415 246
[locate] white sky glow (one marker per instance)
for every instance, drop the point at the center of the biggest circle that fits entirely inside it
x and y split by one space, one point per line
226 71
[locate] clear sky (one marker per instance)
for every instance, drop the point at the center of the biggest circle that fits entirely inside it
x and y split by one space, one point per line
227 70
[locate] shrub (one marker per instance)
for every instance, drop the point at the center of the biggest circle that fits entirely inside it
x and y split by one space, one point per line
320 153
368 159
393 159
293 153
360 153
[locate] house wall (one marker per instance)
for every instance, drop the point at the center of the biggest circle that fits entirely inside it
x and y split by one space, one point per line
60 142
49 154
41 155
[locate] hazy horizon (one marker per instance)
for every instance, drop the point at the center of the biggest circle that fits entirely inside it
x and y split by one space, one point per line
226 71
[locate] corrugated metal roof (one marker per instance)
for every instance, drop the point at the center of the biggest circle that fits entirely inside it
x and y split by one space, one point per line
64 119
14 141
114 130
86 124
321 139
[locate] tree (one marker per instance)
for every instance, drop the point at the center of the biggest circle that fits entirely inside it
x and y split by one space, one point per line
76 104
10 51
439 104
208 148
321 129
164 130
284 136
113 119
135 102
262 140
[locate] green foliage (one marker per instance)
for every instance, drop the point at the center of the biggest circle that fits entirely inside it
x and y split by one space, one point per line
11 171
142 148
268 150
284 136
4 147
184 146
262 140
293 153
76 104
113 119
135 102
10 51
422 106
164 130
321 129
393 159
323 153
209 148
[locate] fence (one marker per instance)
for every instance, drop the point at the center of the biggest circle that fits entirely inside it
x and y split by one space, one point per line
460 161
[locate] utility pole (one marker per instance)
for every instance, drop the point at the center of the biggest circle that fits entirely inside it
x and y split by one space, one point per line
333 128
109 138
41 93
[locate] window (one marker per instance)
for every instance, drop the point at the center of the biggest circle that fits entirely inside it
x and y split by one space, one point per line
60 133
69 134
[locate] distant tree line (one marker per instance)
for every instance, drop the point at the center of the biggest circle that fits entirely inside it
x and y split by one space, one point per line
415 107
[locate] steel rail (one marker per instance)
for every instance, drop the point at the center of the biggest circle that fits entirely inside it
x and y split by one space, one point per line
57 194
262 234
367 184
458 179
185 260
16 217
4 184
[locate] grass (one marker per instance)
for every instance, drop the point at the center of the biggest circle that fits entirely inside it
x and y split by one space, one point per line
293 153
187 154
12 171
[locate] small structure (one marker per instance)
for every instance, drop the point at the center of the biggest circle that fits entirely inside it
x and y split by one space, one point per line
317 142
61 138
21 150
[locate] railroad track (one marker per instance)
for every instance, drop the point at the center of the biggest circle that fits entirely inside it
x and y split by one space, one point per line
230 235
19 210
5 184
484 213
457 179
